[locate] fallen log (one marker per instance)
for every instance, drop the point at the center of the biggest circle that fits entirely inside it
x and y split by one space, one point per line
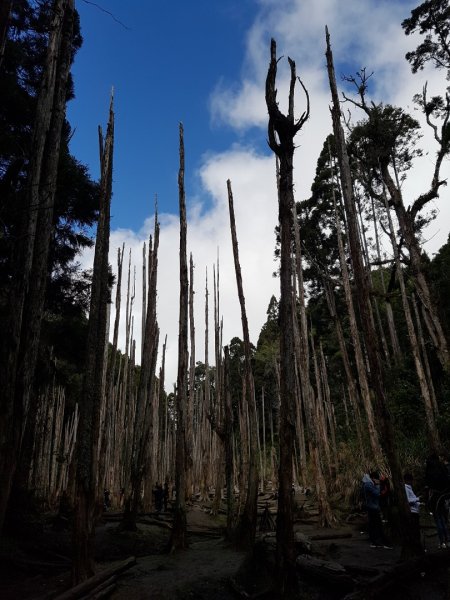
102 590
325 570
206 533
360 569
150 521
306 521
85 588
242 593
105 593
330 536
378 585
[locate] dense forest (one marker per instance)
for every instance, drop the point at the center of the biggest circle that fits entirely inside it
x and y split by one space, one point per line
350 372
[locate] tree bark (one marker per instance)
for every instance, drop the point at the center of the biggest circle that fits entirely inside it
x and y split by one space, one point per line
285 127
88 434
146 393
247 525
190 396
355 335
21 340
407 227
384 422
179 534
433 435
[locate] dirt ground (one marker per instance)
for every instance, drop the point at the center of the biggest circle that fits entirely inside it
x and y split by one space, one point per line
36 566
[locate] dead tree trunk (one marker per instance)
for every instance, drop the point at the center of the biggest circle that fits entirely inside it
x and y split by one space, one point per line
433 435
88 433
206 404
108 440
425 356
281 131
228 442
143 418
179 538
190 397
247 525
382 413
351 383
389 314
354 331
407 227
20 342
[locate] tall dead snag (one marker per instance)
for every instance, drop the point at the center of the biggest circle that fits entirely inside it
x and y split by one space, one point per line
388 306
190 397
391 125
143 418
300 343
19 347
108 439
247 523
179 539
162 431
88 432
354 331
432 429
228 441
282 130
217 408
144 295
206 404
362 292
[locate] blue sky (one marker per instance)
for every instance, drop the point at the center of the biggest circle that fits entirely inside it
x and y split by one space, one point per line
164 68
204 63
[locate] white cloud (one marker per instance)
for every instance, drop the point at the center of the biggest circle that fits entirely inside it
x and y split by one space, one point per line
367 31
255 204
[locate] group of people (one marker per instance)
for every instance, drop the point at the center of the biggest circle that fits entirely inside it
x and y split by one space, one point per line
161 496
377 493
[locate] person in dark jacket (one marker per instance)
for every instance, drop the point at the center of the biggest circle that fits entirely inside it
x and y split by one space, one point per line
438 483
371 488
414 508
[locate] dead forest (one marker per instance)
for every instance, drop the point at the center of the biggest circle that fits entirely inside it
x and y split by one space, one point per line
350 372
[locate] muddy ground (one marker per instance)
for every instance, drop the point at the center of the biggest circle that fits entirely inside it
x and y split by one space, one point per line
36 563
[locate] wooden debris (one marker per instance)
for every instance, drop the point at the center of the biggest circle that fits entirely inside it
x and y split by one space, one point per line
330 536
377 586
96 584
327 571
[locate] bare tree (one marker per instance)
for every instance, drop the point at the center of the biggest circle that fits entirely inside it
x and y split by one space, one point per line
179 539
247 524
146 393
190 397
20 342
382 414
281 131
89 426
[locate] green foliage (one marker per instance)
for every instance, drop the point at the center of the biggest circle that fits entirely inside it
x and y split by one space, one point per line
387 134
62 346
439 275
432 19
77 196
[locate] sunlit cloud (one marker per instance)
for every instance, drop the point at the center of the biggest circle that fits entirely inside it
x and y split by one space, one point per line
363 34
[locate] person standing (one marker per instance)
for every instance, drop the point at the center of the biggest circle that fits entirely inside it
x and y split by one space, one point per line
385 497
414 507
371 489
438 483
166 495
